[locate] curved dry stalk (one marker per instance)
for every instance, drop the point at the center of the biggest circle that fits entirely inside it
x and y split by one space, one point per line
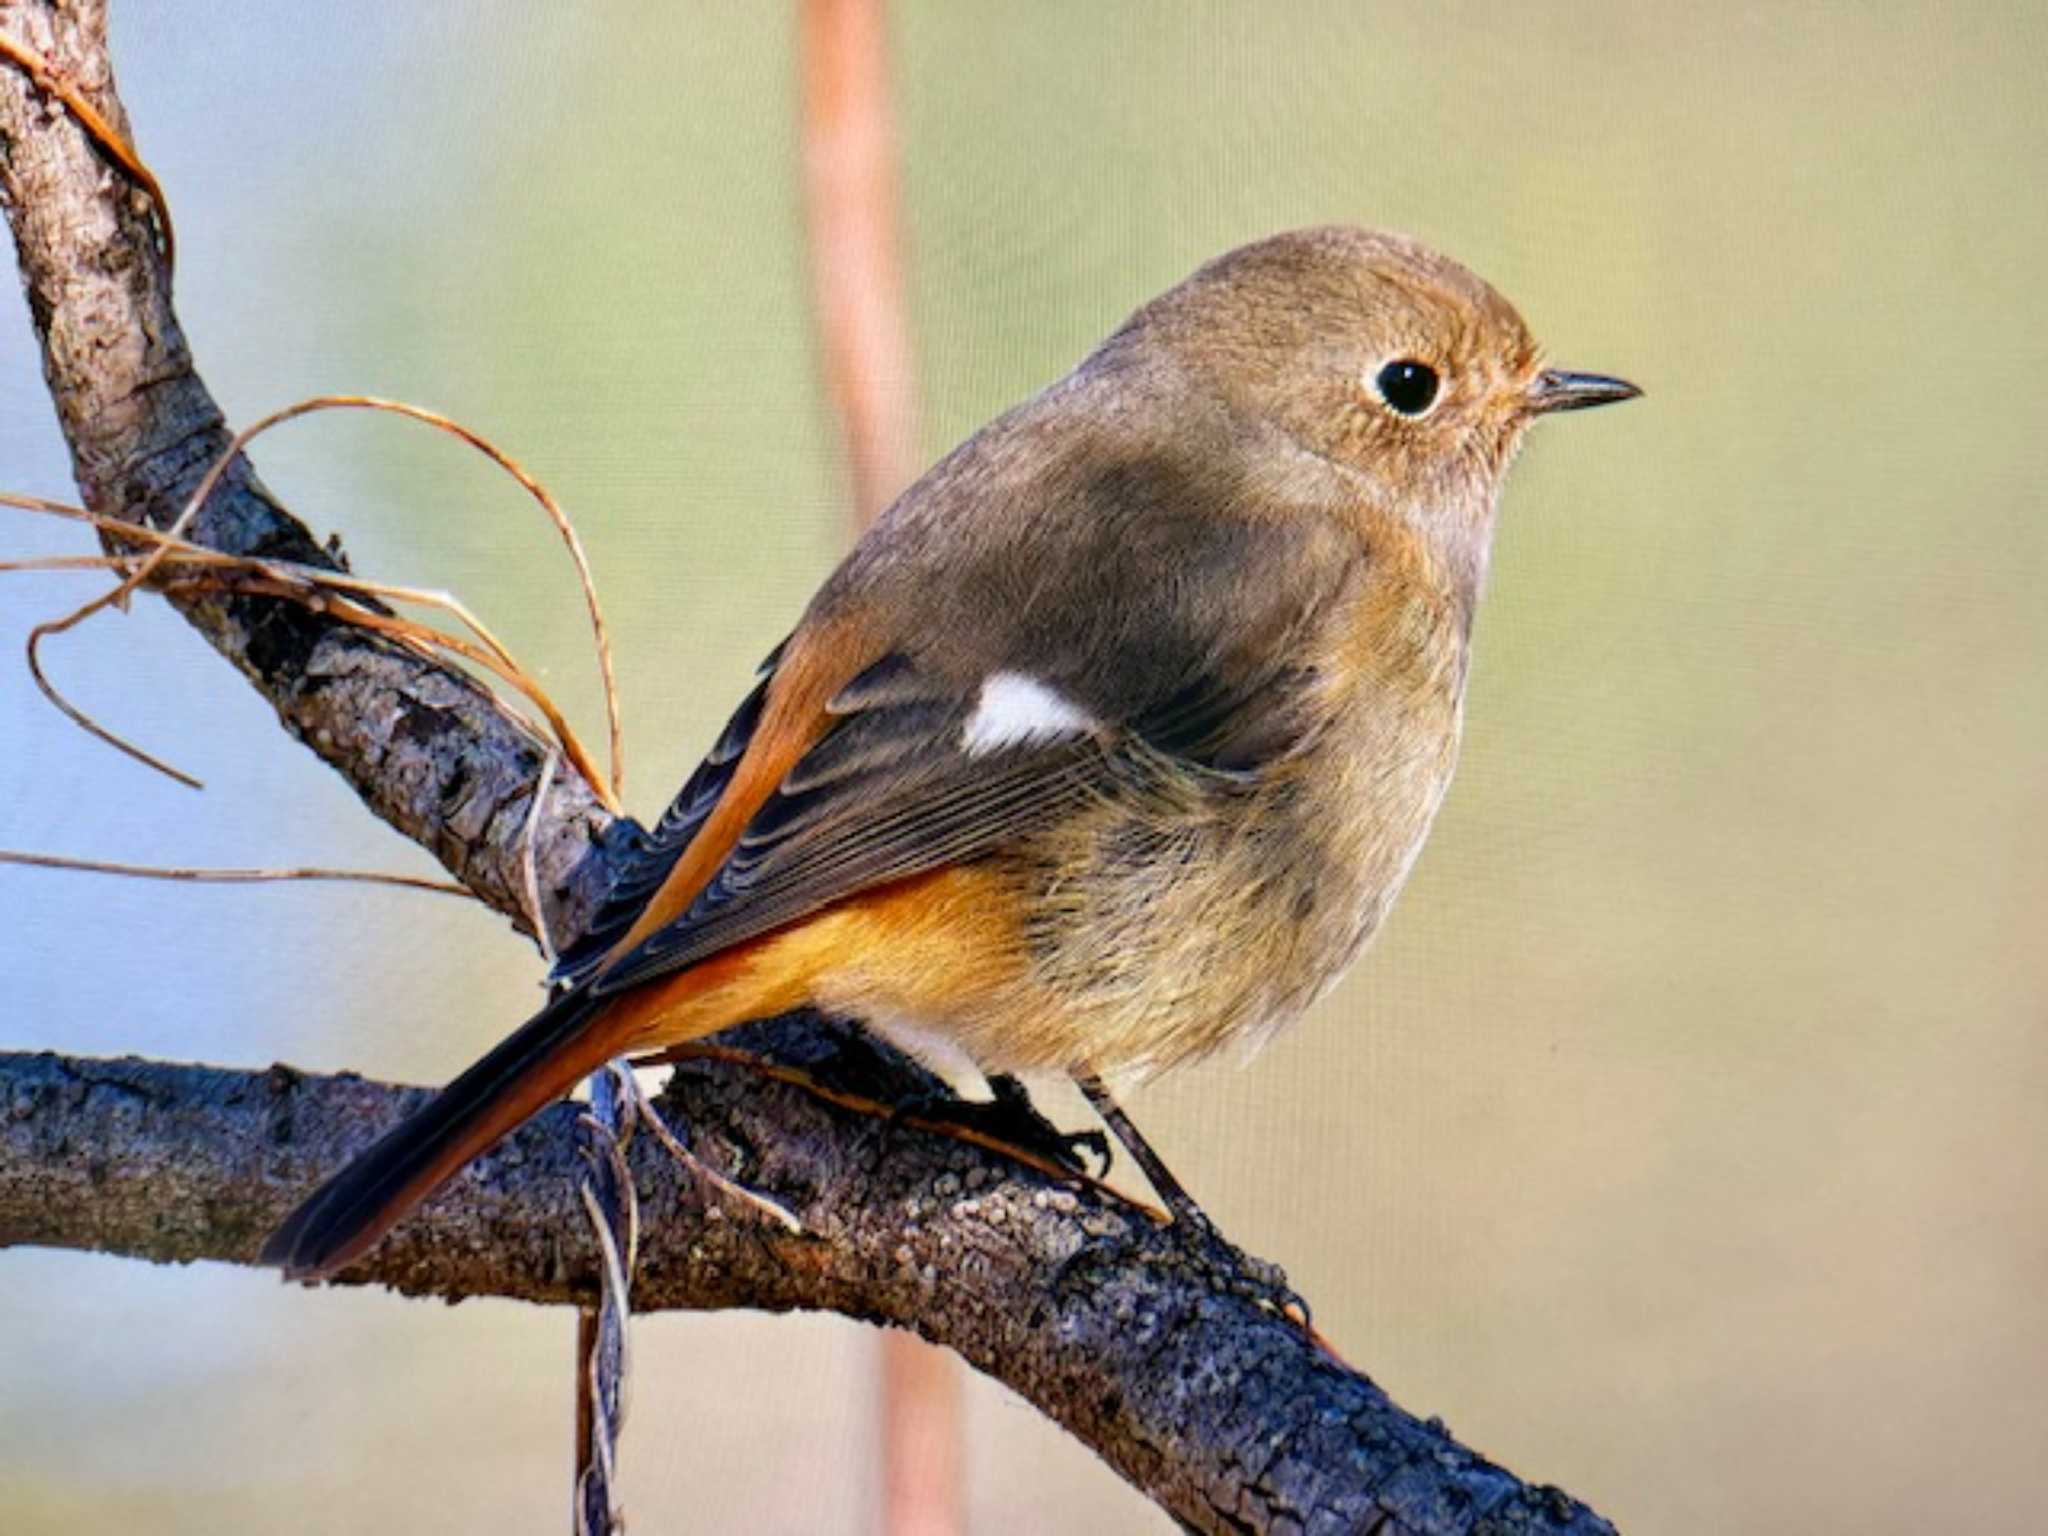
607 789
184 551
204 876
63 509
69 563
895 1114
611 1205
131 578
100 131
424 640
540 493
648 1115
79 717
311 585
119 593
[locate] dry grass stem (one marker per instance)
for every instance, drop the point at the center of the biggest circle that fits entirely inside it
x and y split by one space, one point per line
613 1146
603 1444
860 1104
316 586
600 633
231 876
185 552
529 861
647 1112
426 639
603 1340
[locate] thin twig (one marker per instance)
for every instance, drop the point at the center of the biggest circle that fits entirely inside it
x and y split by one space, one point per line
860 1104
649 1115
232 876
185 552
425 639
570 539
68 563
79 717
529 861
120 593
612 1204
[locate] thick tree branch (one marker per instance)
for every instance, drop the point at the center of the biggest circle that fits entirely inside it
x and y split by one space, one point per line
1139 1340
1127 1332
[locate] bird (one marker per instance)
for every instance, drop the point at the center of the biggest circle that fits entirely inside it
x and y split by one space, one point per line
1108 745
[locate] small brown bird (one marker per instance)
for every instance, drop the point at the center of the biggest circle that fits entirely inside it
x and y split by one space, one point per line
1113 739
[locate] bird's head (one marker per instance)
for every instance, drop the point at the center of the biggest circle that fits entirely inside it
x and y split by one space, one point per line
1375 354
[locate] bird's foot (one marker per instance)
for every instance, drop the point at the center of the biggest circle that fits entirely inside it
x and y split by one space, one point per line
1258 1280
1190 1240
1010 1122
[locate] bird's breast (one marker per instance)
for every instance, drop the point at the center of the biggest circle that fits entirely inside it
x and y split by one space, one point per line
1167 926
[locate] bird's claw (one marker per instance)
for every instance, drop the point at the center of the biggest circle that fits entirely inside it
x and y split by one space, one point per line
1259 1281
1011 1119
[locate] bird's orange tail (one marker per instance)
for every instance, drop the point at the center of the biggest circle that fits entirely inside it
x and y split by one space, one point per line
913 921
532 1068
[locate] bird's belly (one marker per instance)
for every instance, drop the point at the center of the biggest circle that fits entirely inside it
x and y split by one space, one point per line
1166 938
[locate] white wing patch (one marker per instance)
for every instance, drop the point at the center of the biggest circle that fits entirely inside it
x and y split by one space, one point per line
1016 709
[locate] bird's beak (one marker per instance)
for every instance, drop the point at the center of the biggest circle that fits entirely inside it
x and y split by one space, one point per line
1556 389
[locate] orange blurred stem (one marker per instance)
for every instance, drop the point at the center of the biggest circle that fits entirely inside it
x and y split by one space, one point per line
851 203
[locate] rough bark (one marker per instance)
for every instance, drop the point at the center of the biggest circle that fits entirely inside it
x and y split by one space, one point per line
1144 1342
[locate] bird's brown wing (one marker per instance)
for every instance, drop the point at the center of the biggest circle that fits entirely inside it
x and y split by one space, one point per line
890 791
886 793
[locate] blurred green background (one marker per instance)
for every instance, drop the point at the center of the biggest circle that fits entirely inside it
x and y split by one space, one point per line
1681 1141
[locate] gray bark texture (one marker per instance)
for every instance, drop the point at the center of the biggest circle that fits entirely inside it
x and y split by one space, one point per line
1148 1343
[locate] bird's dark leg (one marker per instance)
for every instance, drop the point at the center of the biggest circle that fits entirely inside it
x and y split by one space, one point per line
1265 1282
1170 1189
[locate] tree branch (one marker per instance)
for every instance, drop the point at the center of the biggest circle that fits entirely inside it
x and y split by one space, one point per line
1127 1332
1135 1338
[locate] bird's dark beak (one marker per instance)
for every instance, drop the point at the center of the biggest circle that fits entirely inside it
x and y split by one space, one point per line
1556 389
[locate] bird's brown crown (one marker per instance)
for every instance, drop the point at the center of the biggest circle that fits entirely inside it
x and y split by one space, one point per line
1367 348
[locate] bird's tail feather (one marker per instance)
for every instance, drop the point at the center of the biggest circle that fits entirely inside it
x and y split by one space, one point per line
532 1068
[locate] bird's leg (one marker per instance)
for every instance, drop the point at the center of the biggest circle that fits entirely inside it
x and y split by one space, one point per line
1170 1189
1009 1091
1263 1281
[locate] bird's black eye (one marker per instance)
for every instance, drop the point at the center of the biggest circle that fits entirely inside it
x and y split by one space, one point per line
1408 386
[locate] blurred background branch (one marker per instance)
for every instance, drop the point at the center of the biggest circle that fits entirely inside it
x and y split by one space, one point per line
1226 1415
853 216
